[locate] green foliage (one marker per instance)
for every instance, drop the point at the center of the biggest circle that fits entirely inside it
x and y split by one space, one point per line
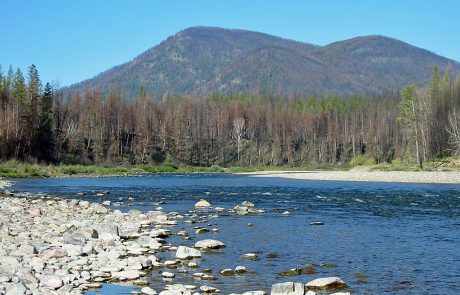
362 160
407 106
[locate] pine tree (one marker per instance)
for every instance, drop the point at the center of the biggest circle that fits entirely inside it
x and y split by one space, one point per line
44 136
22 107
34 91
409 116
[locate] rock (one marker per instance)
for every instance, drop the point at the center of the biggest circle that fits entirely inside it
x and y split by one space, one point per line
240 269
177 289
291 272
288 288
27 249
168 275
52 282
16 289
207 289
201 231
127 274
247 204
202 204
187 253
148 291
84 204
227 272
328 283
210 244
192 265
259 292
249 256
55 253
108 228
271 255
310 292
317 223
341 293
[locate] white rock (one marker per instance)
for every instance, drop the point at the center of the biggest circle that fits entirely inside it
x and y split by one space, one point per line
326 283
202 204
52 282
148 291
16 289
187 253
127 274
288 288
259 292
240 269
210 244
168 275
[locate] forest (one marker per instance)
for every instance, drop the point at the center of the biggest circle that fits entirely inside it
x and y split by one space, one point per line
45 124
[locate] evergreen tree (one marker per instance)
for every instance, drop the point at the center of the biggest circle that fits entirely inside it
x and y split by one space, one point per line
44 134
409 116
19 90
34 89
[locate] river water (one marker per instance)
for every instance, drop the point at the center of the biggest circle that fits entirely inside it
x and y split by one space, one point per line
380 238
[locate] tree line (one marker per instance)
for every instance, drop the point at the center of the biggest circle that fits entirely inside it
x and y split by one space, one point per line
45 124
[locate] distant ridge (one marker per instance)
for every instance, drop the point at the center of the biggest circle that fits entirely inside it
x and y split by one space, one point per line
205 60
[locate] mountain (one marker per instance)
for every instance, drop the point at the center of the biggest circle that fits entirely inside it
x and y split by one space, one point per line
204 60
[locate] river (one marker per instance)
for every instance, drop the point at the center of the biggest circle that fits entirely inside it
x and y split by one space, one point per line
380 238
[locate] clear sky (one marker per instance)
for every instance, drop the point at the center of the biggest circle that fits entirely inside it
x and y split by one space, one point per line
70 41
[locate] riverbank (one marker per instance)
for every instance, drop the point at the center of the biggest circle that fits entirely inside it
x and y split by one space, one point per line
51 245
360 174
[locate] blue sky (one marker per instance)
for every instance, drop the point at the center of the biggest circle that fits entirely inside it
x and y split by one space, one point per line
70 41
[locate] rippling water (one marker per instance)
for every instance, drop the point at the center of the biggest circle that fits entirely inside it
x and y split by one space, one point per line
404 237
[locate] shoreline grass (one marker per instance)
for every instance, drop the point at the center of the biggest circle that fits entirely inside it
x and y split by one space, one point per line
17 169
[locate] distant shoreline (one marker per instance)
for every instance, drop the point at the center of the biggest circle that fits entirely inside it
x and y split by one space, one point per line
435 177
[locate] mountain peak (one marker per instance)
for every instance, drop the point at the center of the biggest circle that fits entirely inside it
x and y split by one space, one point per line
202 60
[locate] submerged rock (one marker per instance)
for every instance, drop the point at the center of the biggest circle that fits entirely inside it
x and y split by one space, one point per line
250 256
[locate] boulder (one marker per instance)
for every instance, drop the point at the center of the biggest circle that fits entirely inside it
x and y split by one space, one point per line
187 253
210 244
109 228
328 283
202 204
16 289
52 282
288 288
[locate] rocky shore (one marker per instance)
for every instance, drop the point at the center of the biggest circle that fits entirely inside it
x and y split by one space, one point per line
446 177
50 245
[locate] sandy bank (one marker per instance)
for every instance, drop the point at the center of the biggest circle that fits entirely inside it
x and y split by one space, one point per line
371 176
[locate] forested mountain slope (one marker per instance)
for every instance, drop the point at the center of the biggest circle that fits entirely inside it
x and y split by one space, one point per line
203 60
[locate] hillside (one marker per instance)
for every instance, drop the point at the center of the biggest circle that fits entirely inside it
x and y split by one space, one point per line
203 60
